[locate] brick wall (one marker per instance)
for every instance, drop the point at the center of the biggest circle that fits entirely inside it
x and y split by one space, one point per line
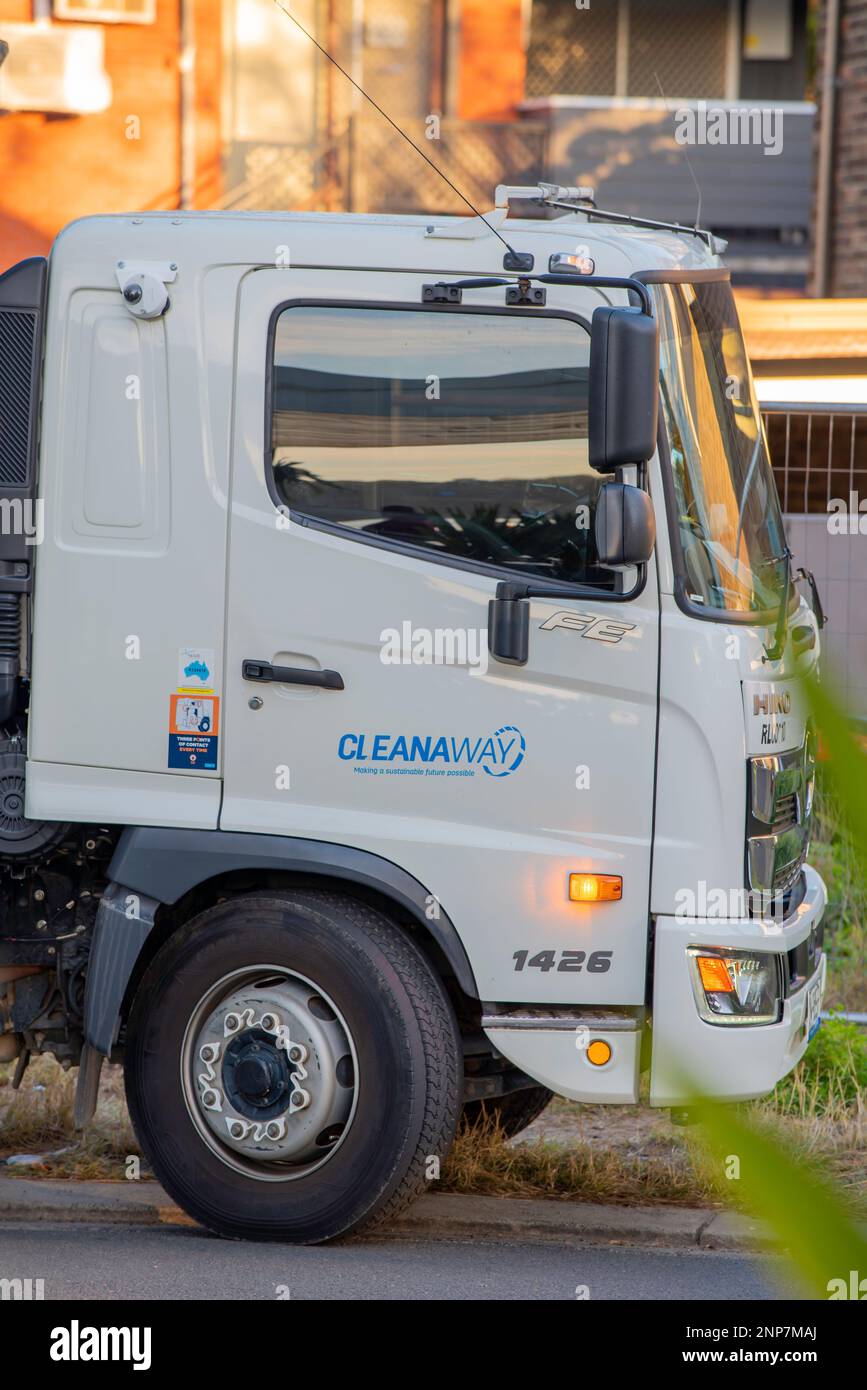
56 168
848 237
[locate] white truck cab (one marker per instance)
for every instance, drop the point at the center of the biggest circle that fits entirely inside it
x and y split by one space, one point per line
399 687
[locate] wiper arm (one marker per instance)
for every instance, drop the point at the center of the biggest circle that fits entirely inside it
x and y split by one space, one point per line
775 559
748 482
775 651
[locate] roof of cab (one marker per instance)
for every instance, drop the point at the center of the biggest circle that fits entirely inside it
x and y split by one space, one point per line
427 243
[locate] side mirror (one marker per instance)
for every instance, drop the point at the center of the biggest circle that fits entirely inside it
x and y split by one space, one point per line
625 526
624 387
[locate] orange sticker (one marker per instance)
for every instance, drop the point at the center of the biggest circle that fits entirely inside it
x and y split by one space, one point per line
194 714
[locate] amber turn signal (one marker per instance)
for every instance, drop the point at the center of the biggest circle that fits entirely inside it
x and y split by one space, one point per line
595 888
599 1052
714 975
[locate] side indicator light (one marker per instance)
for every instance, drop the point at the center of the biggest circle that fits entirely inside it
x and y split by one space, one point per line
595 888
715 977
599 1052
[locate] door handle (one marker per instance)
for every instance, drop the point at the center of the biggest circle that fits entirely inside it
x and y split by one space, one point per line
290 675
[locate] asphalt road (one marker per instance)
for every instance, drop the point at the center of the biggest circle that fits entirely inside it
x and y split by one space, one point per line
172 1263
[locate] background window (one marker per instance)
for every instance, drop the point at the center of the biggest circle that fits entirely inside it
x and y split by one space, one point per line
465 434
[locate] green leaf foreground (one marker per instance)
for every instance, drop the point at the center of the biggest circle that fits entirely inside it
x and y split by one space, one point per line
847 762
804 1212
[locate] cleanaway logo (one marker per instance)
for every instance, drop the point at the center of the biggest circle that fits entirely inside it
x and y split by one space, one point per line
435 755
77 1343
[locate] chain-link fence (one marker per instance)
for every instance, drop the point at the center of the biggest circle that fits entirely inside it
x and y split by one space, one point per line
818 454
677 49
475 155
369 168
571 50
632 48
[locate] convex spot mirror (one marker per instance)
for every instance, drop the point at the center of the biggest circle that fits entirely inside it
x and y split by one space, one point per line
625 526
624 387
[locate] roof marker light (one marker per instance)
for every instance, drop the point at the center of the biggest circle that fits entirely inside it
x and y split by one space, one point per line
577 263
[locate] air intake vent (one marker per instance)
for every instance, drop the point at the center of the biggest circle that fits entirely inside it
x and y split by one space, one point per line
17 371
22 299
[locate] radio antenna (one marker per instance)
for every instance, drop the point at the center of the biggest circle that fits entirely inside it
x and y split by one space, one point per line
685 155
324 51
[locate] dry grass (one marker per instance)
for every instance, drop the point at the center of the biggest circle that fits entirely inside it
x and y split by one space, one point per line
643 1158
38 1119
624 1169
596 1153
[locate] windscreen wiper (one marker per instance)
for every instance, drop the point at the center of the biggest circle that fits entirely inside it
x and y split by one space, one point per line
775 650
748 482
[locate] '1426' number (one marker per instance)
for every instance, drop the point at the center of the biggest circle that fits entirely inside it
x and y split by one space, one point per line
596 963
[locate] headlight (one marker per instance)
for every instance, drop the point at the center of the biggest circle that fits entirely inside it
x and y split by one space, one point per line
735 986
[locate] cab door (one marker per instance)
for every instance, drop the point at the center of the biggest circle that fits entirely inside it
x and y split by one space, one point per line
392 462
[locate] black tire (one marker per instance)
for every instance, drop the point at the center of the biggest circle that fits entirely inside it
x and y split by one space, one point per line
514 1112
409 1079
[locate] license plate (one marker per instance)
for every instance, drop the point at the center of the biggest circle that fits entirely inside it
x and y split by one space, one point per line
814 1003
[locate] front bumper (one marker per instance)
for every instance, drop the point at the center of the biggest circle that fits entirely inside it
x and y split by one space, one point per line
692 1058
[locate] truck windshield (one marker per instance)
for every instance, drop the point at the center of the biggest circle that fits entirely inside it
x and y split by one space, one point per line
728 516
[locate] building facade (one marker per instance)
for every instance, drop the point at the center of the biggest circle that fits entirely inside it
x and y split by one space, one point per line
115 108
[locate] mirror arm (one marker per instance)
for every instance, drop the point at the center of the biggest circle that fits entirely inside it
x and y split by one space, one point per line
509 619
508 591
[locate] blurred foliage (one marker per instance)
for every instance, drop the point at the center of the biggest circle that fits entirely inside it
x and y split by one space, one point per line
834 854
805 1213
832 1073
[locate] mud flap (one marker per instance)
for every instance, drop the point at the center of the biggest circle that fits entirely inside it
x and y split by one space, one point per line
123 923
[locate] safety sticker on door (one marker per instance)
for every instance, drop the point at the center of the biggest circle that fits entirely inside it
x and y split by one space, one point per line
196 669
193 731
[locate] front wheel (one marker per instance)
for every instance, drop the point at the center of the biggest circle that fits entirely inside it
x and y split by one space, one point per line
292 1065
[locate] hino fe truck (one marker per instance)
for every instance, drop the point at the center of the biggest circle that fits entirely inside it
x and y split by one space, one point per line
400 690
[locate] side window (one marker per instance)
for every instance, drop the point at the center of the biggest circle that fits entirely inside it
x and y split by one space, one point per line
464 434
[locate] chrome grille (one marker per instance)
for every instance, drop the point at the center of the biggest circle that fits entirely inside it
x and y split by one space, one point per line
786 876
785 812
780 805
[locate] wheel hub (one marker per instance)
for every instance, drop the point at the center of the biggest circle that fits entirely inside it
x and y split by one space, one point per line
257 1074
269 1073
